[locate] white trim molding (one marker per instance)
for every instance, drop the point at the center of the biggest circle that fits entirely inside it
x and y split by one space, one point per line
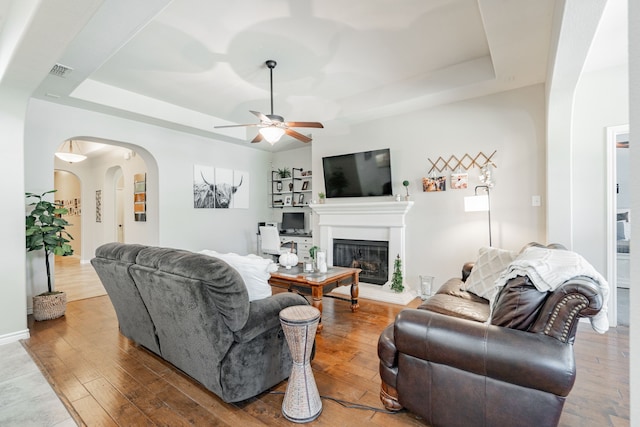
383 221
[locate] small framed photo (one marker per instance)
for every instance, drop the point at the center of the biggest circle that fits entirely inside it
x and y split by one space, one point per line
301 199
438 183
305 185
287 201
459 180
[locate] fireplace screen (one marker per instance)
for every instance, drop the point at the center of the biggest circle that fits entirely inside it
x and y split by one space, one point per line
371 256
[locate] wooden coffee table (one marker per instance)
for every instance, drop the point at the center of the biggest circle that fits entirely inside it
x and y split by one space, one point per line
319 283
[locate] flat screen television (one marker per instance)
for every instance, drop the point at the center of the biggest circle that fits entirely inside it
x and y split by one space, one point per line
363 174
292 222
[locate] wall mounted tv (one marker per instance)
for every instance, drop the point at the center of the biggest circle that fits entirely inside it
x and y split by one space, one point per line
363 174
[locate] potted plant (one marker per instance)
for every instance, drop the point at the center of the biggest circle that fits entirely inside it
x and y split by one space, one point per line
396 279
45 230
284 172
321 197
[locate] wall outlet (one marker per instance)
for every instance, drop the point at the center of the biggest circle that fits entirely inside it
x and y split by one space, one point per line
535 201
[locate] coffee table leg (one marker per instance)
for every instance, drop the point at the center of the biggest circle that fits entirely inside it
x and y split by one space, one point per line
316 301
354 297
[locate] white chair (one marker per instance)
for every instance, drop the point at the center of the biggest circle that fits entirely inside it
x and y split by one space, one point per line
270 242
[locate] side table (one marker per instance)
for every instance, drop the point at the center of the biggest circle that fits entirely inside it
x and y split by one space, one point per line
301 402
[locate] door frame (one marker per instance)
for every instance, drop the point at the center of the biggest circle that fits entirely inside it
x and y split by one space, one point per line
612 261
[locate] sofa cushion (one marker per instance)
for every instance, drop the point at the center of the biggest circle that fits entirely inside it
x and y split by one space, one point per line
255 271
518 304
456 306
490 264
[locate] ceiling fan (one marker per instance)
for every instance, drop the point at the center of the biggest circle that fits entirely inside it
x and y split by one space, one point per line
272 126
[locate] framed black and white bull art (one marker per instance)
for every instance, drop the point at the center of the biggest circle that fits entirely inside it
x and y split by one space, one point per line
220 188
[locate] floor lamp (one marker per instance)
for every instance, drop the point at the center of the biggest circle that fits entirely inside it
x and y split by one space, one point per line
479 203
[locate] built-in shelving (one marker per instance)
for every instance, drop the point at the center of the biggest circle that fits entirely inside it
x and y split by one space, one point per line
291 191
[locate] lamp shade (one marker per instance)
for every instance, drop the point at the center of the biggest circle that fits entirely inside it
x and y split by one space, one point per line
272 134
476 203
69 155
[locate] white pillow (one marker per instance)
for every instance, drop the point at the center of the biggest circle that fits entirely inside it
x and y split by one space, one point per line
255 271
490 264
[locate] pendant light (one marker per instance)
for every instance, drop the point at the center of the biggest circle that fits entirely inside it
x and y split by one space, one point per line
70 155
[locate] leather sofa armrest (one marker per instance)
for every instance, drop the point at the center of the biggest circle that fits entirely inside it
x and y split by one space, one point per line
523 358
264 314
575 298
388 355
466 270
387 351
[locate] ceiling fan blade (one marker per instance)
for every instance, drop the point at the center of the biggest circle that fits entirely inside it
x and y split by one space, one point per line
235 126
261 116
258 138
297 135
304 124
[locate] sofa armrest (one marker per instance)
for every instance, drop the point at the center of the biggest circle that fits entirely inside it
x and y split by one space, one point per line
388 355
264 314
466 270
575 298
526 359
387 351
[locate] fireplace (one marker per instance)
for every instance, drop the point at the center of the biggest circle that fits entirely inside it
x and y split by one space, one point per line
371 256
376 221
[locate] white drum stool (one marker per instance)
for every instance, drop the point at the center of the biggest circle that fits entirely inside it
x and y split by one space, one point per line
301 402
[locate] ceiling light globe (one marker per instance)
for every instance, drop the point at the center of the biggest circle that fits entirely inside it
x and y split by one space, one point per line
71 157
272 134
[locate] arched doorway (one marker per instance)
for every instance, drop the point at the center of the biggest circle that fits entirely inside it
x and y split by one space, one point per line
116 187
69 195
106 204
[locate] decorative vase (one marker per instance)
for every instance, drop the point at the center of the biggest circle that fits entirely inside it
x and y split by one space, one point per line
49 306
279 186
288 260
322 262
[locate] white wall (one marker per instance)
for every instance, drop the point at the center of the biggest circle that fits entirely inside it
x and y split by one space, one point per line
601 100
440 235
13 310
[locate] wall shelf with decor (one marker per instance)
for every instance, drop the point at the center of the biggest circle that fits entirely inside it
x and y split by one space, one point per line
290 188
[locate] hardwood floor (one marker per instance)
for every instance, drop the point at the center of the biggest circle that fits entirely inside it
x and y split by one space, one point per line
106 380
79 281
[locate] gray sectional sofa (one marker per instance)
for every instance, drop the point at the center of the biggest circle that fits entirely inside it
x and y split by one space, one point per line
193 311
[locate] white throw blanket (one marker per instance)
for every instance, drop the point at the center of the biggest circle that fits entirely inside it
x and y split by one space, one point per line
549 268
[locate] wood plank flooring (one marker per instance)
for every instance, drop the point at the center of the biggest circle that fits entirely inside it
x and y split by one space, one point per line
79 281
106 380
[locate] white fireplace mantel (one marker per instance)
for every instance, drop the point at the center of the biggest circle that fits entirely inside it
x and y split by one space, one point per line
367 221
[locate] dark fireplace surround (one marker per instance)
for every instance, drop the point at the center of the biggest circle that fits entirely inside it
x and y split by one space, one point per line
371 256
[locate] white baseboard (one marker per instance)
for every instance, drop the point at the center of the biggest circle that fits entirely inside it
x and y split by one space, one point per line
14 336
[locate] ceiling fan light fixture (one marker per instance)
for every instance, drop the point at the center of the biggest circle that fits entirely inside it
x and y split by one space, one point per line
271 133
70 156
273 126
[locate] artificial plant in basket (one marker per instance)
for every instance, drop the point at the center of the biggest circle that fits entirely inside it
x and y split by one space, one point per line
45 230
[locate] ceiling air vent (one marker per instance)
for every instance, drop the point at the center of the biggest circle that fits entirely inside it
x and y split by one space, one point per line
60 70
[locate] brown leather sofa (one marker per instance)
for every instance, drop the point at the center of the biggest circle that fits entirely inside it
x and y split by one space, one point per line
446 363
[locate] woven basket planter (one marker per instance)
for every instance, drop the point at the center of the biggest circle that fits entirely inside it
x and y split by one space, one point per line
47 307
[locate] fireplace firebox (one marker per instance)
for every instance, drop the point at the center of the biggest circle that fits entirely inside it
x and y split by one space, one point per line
371 256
